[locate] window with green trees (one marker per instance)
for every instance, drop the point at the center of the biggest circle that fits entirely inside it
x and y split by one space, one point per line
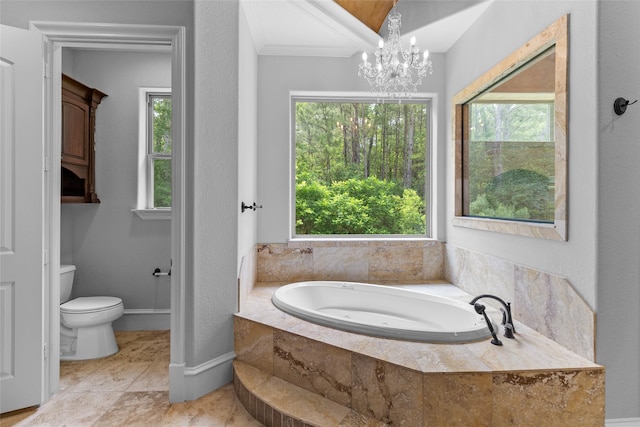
159 150
361 166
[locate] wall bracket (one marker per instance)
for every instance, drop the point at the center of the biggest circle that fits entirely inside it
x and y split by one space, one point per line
620 105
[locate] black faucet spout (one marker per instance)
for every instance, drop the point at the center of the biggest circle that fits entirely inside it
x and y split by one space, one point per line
507 317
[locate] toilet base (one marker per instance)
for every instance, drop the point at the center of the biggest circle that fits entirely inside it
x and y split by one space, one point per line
87 343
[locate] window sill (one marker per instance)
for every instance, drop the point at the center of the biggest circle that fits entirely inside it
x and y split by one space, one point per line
361 241
555 231
356 238
153 214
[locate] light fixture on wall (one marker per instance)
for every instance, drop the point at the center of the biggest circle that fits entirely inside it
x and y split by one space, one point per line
397 71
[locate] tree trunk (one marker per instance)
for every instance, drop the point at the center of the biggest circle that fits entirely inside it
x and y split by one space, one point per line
396 151
408 147
355 136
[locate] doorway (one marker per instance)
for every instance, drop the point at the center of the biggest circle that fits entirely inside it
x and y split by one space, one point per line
113 37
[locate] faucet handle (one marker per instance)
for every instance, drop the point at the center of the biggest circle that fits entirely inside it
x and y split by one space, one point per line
508 331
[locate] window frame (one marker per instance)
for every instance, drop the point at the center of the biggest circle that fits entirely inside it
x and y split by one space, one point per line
554 35
366 97
145 200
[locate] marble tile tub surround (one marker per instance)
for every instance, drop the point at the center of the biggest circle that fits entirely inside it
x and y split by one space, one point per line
528 381
545 302
374 261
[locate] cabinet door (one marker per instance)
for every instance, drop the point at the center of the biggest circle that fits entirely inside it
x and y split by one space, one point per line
75 130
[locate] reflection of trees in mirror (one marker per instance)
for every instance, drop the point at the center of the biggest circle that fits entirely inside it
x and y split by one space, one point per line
511 161
516 194
361 167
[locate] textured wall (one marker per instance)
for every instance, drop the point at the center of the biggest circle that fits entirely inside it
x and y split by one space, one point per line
618 207
212 297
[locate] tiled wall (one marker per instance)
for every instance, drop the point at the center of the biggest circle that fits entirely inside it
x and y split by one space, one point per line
373 261
543 301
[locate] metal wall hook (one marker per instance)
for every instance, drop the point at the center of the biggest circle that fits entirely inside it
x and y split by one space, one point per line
253 207
620 105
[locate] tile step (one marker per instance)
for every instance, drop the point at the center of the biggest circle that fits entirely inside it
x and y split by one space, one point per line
278 403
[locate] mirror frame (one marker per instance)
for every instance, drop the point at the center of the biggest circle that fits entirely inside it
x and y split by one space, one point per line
555 34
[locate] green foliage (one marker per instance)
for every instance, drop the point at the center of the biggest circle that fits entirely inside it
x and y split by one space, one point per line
162 124
522 189
162 183
518 194
368 206
481 207
162 145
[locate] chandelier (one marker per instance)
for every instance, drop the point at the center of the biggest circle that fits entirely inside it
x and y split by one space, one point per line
397 71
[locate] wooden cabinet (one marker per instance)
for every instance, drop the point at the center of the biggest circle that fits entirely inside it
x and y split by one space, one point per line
79 104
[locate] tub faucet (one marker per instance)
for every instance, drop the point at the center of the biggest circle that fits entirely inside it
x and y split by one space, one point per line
480 309
507 318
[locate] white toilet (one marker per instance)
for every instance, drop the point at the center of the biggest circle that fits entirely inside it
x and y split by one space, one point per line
85 322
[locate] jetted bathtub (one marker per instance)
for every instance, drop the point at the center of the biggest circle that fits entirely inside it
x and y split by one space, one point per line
382 311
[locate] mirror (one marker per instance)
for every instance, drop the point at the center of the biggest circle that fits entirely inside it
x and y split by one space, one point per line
510 142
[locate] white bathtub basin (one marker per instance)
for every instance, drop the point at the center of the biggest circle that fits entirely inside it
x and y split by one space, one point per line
382 311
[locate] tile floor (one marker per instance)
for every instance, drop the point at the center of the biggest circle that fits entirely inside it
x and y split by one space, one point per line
130 388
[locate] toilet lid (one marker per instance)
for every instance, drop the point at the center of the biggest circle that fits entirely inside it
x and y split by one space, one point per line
89 304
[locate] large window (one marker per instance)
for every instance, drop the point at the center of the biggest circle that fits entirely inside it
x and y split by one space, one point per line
361 166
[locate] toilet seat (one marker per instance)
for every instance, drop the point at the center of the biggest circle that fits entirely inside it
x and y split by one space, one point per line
89 304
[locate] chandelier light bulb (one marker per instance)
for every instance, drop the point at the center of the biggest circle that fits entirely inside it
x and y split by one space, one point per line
413 41
380 44
364 56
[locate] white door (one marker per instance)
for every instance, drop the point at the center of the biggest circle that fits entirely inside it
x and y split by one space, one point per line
21 218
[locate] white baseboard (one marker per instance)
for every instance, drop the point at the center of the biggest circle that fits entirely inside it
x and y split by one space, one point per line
176 383
623 422
208 376
144 319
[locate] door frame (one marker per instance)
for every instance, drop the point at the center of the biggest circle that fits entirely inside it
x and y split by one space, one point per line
119 37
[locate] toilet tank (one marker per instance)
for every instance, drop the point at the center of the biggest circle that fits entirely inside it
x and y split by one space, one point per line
66 281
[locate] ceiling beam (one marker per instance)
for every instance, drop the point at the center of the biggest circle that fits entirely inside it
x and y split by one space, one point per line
371 12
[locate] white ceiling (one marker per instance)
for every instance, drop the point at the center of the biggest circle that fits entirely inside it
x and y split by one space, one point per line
323 28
